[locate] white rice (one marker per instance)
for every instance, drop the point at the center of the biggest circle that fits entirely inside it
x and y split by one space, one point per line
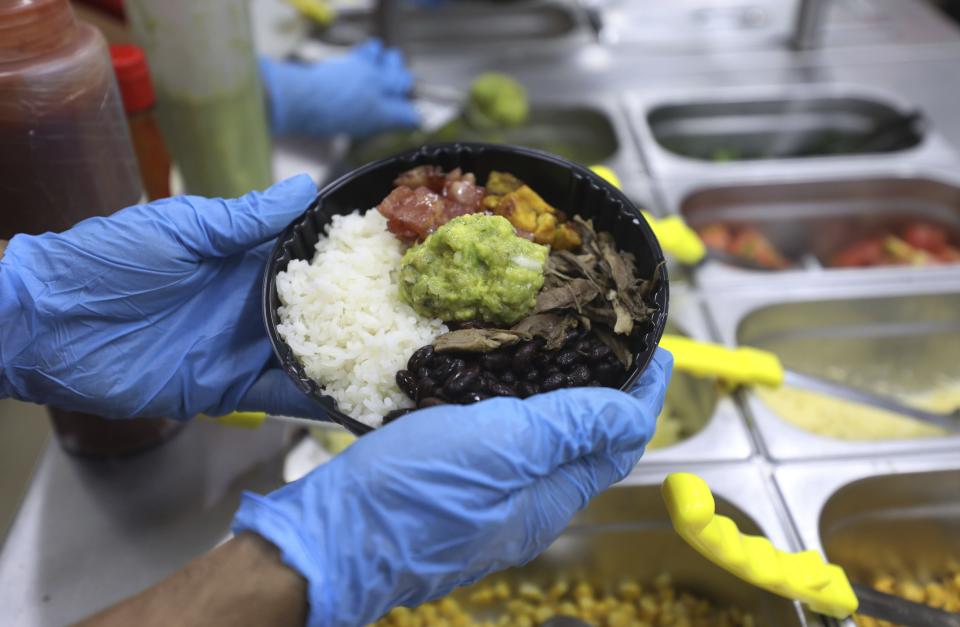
343 317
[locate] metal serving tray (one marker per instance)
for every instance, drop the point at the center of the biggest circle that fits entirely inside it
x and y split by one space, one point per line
810 221
692 26
896 514
905 336
589 130
722 433
771 119
626 533
759 130
711 26
476 25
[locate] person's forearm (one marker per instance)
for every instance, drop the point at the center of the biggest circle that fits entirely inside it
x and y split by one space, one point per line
240 583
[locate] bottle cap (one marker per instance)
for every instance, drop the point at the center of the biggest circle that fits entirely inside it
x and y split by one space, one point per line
133 76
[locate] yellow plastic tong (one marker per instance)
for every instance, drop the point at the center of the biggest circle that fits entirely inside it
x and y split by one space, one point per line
803 576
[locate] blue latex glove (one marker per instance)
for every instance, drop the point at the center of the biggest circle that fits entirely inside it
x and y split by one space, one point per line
361 93
154 311
444 496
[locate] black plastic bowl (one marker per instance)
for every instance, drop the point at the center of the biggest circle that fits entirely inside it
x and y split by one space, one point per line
571 188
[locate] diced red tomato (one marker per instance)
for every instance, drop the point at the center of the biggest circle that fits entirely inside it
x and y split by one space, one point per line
425 199
869 252
949 255
925 236
751 244
716 236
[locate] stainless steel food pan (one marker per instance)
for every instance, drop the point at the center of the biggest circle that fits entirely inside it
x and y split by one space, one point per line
901 339
811 221
896 516
692 136
587 130
478 26
625 534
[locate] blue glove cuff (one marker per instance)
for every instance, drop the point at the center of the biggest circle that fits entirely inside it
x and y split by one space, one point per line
260 515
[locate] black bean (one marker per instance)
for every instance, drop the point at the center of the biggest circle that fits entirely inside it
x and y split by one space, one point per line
608 373
598 353
508 377
487 380
462 381
567 359
501 389
495 361
420 357
477 378
532 375
443 367
426 387
525 389
407 382
396 413
423 372
523 358
594 384
554 382
572 336
551 369
579 376
430 401
473 397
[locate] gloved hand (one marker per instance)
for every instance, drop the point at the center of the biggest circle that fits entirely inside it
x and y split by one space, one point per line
446 495
361 93
154 311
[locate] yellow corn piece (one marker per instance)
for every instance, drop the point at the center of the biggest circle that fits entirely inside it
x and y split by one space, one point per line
802 576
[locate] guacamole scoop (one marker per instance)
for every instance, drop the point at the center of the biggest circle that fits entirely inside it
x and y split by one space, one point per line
473 267
496 101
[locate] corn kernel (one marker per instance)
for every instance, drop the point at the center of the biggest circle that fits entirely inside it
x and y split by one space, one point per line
530 592
583 589
629 590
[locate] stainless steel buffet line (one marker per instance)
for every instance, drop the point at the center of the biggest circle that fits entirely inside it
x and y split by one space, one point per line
90 533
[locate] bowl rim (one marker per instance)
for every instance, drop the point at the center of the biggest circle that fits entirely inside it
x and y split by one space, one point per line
292 366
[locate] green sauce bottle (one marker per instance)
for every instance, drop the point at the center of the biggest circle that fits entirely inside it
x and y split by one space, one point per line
210 103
